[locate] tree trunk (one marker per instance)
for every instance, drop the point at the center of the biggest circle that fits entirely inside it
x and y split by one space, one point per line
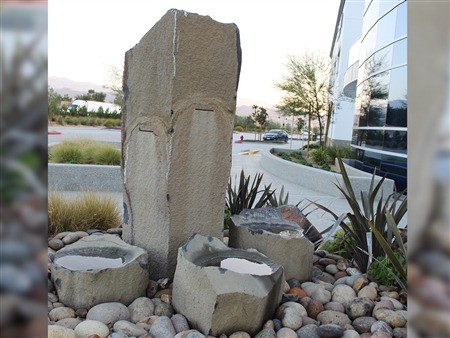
327 127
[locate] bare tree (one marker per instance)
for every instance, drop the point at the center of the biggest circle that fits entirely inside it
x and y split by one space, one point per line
114 75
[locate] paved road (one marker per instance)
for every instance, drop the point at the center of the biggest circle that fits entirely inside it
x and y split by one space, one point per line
250 164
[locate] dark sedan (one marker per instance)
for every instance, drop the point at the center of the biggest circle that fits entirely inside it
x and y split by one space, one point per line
276 135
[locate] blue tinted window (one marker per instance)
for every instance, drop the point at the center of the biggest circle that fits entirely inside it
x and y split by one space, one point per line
386 29
371 16
401 24
397 102
378 87
395 141
400 52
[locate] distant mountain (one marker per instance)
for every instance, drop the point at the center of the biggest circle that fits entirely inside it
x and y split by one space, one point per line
72 88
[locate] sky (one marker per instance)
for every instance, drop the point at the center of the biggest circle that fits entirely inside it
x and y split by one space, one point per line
85 37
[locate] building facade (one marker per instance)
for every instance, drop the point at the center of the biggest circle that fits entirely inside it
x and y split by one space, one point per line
374 89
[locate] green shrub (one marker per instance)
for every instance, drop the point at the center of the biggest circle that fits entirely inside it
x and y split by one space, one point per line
226 218
239 129
108 123
383 270
338 244
345 152
84 121
284 156
60 120
117 123
68 121
88 211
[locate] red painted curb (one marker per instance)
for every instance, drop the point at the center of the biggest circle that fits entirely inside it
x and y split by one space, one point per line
54 133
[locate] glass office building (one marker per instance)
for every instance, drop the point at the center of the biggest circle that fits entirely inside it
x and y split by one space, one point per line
379 133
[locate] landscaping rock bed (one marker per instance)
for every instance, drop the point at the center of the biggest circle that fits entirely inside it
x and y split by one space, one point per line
339 301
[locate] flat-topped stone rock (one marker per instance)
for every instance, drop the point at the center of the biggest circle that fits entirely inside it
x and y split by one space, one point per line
221 290
281 240
180 84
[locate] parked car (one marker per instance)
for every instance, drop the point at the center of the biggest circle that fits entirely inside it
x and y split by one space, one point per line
276 135
305 135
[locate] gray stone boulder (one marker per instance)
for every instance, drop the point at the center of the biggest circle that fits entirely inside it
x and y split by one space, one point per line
214 297
281 240
99 269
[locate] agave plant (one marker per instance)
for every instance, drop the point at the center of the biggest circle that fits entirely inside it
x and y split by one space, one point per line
245 195
371 219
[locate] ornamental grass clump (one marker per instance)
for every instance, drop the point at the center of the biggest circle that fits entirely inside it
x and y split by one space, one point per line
89 210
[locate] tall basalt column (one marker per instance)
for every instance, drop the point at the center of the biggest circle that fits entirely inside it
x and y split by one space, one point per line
180 84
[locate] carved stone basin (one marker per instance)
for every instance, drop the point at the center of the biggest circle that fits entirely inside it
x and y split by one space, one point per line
99 269
221 290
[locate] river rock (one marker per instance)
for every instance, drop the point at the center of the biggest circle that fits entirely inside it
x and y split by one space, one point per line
239 334
314 308
381 326
55 244
359 283
333 317
384 304
321 295
164 309
326 261
69 323
147 322
331 269
61 313
305 301
70 238
179 323
368 292
388 316
129 328
297 291
91 327
122 335
325 277
400 332
339 275
184 334
286 332
291 318
308 331
140 308
152 288
363 324
297 306
334 306
266 333
330 331
308 320
108 313
294 283
359 307
380 334
395 302
350 334
310 287
343 294
57 331
162 327
195 334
